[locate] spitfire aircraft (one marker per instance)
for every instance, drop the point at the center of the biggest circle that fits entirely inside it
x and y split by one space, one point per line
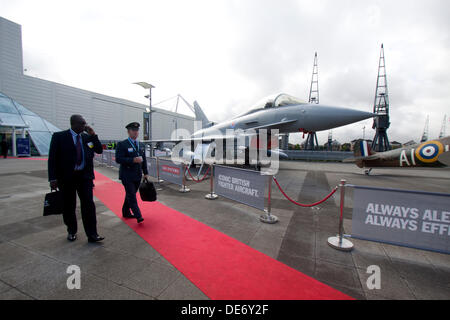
281 112
434 154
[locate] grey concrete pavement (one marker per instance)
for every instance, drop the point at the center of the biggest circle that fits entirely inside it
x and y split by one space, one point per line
34 253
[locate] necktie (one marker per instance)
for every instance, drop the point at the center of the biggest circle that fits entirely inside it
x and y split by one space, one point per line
79 152
136 145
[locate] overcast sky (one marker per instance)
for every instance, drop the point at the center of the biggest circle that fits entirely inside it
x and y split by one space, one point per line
229 54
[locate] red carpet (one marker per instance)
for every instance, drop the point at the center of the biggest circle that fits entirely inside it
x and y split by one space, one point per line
220 266
27 158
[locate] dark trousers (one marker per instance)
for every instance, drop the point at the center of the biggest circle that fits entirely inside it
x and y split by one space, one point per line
84 188
130 202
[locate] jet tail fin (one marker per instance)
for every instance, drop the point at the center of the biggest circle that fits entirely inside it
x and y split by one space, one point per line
361 149
200 115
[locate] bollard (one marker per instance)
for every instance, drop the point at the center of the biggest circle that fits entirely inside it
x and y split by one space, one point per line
183 188
212 195
339 242
268 217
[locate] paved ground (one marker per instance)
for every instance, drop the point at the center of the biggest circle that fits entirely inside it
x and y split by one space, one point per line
34 253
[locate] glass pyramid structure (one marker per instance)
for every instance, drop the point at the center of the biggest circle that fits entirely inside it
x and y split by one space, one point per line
13 114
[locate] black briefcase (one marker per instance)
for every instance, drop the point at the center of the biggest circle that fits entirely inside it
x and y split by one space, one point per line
53 203
147 191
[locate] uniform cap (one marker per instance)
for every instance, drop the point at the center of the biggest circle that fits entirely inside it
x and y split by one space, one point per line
133 125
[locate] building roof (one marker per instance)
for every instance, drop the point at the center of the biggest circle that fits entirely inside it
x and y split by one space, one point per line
13 114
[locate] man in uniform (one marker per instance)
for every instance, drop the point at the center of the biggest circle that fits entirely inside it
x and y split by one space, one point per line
131 157
71 169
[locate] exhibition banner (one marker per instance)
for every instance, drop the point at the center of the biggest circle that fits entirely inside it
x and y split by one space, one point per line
407 218
244 186
171 172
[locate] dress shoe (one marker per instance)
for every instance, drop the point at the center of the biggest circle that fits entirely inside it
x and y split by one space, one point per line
139 220
71 237
97 238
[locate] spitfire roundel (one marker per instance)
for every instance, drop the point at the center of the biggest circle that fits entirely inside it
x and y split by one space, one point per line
429 151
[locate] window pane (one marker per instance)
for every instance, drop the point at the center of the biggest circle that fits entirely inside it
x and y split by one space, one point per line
41 141
24 110
51 127
6 105
35 123
11 120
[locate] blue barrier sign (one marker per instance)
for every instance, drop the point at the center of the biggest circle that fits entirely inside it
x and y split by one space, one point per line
406 218
244 186
23 147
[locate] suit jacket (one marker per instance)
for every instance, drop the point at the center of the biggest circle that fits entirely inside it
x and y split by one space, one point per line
125 153
63 154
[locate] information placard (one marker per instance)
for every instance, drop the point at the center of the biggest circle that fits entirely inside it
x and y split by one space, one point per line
244 186
171 172
23 147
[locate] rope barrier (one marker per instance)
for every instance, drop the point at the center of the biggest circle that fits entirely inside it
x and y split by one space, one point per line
199 180
305 205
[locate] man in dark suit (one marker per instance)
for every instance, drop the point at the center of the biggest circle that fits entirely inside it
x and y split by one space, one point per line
130 154
71 169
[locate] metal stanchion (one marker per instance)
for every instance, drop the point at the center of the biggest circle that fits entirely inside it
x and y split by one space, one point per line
268 217
110 160
339 242
212 195
183 188
158 180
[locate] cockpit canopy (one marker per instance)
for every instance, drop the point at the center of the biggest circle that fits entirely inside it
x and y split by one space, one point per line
274 101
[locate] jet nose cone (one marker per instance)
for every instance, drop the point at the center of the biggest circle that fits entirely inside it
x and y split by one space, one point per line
332 117
355 115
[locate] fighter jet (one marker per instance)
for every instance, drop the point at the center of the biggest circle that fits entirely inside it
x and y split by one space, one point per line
434 154
287 114
283 112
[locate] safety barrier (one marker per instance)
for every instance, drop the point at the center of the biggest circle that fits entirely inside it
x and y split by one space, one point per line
107 158
167 170
305 205
416 219
245 186
201 179
338 242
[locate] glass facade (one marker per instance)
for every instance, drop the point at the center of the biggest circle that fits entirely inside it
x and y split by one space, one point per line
13 114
